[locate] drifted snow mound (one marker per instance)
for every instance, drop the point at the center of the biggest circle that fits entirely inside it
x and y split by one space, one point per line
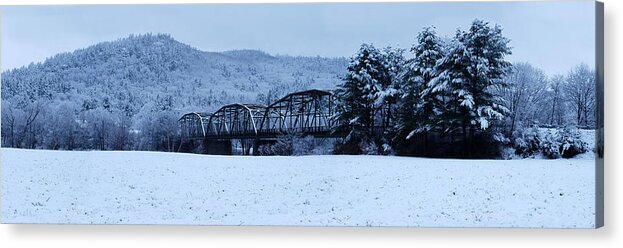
165 188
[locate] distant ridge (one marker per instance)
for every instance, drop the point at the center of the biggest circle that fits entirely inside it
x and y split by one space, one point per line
130 74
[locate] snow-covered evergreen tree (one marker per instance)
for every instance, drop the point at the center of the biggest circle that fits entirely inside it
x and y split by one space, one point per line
418 105
472 69
389 90
357 96
387 97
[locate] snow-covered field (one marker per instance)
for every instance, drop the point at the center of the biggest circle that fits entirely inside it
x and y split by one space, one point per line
164 188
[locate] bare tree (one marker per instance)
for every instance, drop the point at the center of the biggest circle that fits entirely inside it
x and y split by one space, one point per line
525 92
121 134
60 126
580 93
556 112
100 125
9 124
31 127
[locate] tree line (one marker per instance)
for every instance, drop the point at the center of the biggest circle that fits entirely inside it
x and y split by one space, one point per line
459 98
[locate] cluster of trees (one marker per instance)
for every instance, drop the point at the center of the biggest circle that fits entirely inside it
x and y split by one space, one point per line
556 101
459 98
66 125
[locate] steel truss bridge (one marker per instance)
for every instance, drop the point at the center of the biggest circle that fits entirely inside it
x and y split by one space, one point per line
305 113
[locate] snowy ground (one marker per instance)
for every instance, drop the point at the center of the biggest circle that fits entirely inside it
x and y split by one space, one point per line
164 188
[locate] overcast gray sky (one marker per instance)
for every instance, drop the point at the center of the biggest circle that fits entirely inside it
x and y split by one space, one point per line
554 36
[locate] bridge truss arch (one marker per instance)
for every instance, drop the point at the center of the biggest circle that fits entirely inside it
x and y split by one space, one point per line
305 112
235 121
194 124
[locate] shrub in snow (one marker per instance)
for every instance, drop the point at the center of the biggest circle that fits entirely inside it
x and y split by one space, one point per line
369 148
571 143
527 142
283 147
387 149
309 145
293 145
552 144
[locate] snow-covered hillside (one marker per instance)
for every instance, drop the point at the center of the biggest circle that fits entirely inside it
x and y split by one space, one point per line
41 186
126 74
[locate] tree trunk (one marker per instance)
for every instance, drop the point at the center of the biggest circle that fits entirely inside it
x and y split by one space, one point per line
471 141
426 148
465 142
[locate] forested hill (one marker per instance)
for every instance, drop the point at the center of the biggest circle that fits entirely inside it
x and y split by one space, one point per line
135 72
128 93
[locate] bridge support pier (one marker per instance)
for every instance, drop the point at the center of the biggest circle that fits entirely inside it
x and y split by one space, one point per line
217 147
